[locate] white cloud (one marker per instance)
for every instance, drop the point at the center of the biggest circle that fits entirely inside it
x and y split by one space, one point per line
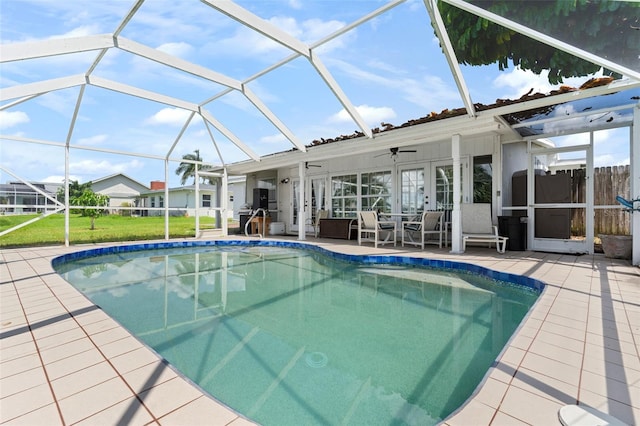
246 42
12 118
313 30
93 140
62 102
519 82
59 179
429 93
169 116
277 138
371 115
102 168
81 31
181 50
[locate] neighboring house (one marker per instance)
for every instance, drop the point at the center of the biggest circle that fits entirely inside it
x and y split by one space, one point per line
182 200
20 198
120 188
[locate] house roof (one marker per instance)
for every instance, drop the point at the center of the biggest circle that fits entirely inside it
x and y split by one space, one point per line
102 179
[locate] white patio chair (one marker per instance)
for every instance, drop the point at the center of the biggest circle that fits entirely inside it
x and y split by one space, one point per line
368 224
430 224
478 227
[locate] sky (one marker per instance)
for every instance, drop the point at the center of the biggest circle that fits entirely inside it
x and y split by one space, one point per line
391 68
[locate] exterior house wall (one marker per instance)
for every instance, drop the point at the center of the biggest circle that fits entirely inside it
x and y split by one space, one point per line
237 190
182 200
426 154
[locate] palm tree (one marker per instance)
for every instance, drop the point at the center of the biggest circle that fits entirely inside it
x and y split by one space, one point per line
188 169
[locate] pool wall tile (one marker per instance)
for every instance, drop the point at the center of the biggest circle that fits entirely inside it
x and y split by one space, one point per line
513 279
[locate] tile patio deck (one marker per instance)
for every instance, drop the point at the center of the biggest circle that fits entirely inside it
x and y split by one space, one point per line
63 361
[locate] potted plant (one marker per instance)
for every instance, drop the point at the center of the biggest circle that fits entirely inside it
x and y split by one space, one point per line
616 246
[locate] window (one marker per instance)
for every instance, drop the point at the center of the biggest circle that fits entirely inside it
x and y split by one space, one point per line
344 196
482 176
206 200
160 201
376 191
153 201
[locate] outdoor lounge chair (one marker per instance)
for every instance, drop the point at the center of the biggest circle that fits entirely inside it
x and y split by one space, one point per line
368 224
430 224
478 227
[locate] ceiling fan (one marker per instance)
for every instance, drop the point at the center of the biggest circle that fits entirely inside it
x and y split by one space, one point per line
395 151
307 165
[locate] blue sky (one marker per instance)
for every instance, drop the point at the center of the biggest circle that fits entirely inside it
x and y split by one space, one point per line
391 68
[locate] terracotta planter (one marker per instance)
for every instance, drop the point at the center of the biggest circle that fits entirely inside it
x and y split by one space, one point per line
616 246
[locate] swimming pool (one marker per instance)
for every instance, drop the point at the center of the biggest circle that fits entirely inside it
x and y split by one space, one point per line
287 333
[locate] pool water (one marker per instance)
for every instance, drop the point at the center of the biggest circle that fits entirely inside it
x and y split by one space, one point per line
290 336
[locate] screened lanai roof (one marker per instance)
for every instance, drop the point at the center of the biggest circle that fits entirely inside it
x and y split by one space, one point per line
128 84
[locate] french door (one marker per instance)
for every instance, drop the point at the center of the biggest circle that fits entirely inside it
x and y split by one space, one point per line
315 193
430 186
413 195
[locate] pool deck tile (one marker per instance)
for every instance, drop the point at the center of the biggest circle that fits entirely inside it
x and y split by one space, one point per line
64 361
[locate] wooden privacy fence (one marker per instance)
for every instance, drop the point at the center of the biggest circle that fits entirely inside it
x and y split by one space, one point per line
608 182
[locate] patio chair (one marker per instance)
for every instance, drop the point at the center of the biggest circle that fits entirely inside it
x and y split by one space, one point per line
430 224
368 224
478 227
320 214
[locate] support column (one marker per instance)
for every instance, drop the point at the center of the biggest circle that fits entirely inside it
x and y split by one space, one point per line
456 223
225 202
635 185
66 196
197 201
166 200
302 234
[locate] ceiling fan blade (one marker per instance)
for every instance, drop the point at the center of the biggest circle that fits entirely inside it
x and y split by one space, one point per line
408 150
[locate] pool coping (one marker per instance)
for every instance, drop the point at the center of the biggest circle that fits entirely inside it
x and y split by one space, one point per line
514 374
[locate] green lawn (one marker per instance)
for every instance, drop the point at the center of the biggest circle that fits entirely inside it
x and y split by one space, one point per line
50 230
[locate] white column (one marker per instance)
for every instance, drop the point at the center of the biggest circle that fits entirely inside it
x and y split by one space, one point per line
496 179
225 202
197 201
302 235
456 225
166 200
635 185
66 196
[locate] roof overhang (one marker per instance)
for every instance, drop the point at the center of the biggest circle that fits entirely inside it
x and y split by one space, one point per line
437 131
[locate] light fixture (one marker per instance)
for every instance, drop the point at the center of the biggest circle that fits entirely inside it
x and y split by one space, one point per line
285 180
